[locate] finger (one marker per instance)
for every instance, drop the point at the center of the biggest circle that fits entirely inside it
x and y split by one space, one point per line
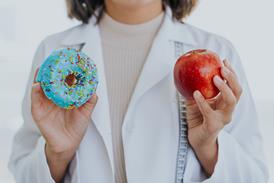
191 107
36 89
35 75
189 102
204 107
90 104
194 123
226 93
228 65
36 94
232 82
193 116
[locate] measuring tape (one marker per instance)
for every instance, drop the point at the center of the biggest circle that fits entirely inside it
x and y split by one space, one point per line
182 142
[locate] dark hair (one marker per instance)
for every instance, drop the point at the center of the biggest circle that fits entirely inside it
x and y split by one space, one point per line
83 9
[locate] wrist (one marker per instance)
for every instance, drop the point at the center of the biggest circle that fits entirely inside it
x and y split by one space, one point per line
207 155
58 156
202 142
206 149
58 162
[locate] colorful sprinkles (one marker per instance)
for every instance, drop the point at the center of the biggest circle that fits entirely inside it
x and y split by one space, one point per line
68 77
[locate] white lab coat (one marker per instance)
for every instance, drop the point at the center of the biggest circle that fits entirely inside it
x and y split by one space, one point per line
150 127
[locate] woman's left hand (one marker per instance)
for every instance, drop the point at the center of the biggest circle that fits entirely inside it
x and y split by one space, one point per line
206 118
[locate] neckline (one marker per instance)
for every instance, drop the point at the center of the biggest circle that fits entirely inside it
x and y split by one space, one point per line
115 26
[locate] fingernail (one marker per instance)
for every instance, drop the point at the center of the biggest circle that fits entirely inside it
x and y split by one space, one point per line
94 97
217 80
36 86
227 62
196 94
35 75
225 70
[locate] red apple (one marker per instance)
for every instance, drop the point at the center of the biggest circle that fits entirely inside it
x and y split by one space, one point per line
195 71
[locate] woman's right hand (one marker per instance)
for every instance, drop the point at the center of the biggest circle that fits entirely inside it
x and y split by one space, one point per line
62 129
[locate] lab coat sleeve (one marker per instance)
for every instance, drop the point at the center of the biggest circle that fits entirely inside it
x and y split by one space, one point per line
240 156
28 162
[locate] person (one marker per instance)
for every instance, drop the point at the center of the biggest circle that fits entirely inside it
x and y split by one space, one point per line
128 130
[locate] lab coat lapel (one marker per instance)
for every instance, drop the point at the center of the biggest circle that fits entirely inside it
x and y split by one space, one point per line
160 61
157 66
88 35
100 115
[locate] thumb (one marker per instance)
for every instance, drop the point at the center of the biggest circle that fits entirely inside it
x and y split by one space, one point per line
36 94
35 74
90 104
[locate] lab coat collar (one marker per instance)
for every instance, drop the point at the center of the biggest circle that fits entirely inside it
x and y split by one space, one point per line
158 65
178 31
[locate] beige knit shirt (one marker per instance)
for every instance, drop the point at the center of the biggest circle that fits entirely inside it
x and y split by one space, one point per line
125 48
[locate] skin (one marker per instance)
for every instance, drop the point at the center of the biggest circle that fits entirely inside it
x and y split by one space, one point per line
133 11
63 130
206 118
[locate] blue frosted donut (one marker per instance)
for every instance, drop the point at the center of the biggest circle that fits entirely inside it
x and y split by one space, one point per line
68 77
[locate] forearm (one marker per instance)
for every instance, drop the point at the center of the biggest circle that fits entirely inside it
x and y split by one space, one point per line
58 163
208 156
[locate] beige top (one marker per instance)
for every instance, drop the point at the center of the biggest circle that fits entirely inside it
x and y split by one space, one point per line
125 48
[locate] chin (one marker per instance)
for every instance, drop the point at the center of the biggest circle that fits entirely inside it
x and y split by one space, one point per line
133 3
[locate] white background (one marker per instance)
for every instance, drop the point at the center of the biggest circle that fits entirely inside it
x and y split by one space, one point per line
23 24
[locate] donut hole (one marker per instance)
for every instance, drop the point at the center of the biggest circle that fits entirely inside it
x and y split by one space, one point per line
71 80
